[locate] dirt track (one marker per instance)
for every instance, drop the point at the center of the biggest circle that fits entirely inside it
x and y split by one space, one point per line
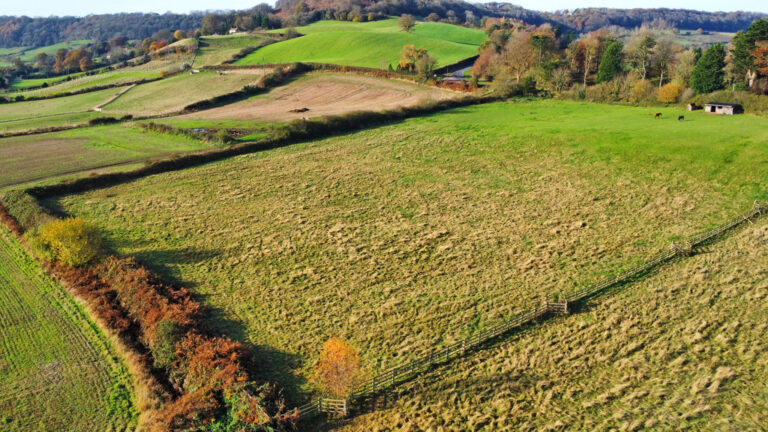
325 94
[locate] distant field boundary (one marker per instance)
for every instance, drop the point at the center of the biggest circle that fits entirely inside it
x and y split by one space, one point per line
290 133
330 67
85 90
394 376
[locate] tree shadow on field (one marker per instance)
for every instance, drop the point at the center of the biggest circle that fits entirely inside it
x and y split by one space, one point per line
269 364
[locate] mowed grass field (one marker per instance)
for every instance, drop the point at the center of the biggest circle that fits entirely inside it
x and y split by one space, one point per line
57 371
173 94
37 157
376 44
409 236
322 93
683 349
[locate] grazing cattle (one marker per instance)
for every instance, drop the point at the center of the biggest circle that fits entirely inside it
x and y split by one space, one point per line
658 115
680 118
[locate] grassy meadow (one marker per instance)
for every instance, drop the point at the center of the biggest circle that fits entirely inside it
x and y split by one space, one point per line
62 111
419 233
36 157
173 94
57 371
376 44
40 109
680 350
215 50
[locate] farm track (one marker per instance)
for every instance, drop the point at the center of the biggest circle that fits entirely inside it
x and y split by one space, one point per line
98 108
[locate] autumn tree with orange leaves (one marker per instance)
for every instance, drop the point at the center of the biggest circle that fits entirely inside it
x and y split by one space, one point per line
339 368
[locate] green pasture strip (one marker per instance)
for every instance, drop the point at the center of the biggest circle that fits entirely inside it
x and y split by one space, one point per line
57 371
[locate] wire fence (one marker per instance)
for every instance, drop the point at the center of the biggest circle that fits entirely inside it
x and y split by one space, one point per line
399 374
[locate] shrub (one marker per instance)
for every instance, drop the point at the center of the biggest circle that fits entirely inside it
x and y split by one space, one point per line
642 92
339 367
72 242
687 95
608 91
223 136
102 121
670 93
505 85
167 335
26 210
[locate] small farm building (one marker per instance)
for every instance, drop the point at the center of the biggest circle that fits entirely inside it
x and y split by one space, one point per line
723 108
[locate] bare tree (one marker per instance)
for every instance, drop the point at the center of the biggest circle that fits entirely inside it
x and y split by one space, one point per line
519 55
640 50
406 22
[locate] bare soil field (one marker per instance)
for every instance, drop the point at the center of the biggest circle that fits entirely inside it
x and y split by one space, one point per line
324 94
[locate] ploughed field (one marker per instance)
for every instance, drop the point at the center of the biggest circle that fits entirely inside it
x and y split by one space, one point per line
57 371
410 236
321 94
374 44
46 156
683 349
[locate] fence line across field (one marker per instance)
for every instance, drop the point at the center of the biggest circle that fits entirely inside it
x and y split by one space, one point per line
397 374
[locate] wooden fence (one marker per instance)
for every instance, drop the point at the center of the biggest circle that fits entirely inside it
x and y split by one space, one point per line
398 374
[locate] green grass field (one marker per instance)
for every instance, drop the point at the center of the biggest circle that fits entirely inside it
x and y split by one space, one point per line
29 55
41 108
127 75
375 44
37 157
215 50
413 235
173 94
57 371
62 111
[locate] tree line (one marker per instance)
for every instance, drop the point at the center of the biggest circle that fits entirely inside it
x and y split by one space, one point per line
642 65
37 32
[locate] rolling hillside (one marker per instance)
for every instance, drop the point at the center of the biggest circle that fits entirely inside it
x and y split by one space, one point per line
376 44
